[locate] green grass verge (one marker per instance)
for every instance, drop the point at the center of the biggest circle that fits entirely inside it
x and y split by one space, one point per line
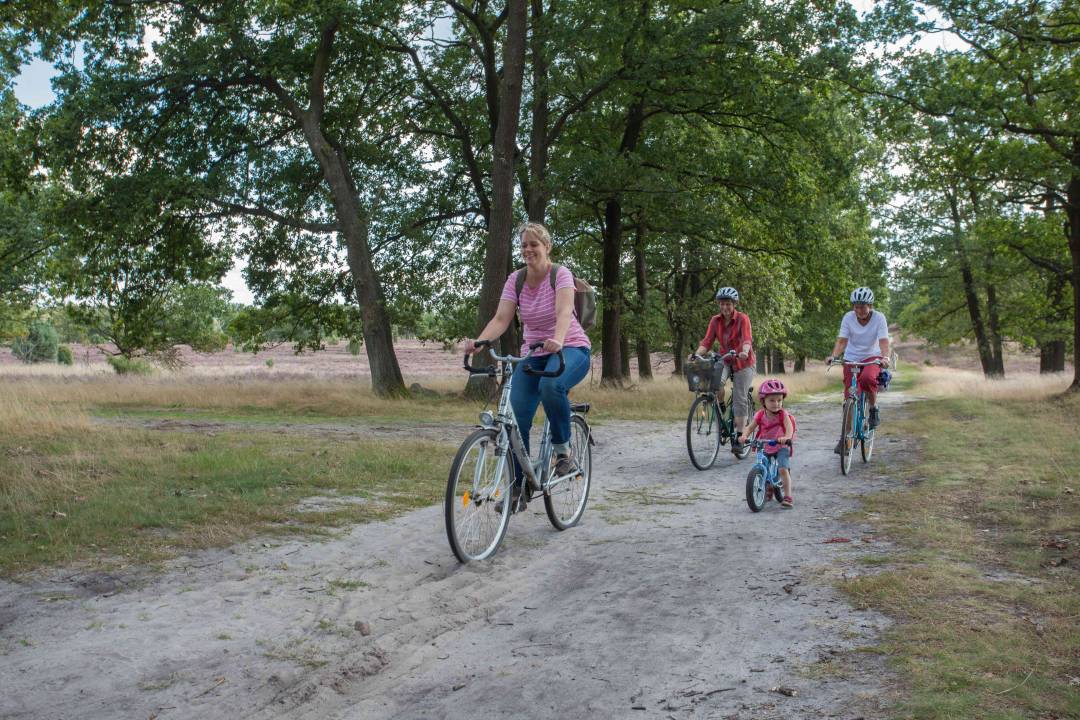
985 583
140 495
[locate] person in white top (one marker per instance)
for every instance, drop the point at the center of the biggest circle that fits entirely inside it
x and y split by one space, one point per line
864 336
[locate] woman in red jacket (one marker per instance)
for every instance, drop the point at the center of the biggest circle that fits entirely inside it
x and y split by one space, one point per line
731 330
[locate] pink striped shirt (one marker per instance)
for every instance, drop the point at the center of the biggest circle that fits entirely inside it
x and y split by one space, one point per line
537 310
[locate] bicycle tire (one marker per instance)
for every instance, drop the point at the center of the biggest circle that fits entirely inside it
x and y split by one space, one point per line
866 447
565 503
475 528
755 489
703 432
847 433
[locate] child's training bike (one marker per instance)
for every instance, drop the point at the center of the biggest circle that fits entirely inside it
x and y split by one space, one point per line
764 477
855 428
711 423
482 493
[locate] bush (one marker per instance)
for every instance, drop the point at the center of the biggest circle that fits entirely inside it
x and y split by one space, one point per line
269 362
130 366
64 355
354 346
40 345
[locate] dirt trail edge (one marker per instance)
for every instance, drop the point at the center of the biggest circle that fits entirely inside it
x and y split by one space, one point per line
670 600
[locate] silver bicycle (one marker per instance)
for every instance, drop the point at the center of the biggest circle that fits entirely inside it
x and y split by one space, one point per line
481 492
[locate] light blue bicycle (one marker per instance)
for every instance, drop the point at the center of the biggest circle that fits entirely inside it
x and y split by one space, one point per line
481 492
855 429
764 474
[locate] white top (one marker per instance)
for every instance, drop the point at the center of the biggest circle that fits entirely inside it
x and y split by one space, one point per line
863 339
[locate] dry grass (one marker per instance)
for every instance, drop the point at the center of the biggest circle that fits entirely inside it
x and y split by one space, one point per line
669 399
942 382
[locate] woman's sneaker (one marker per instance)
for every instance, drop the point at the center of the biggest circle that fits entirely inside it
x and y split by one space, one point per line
565 465
875 418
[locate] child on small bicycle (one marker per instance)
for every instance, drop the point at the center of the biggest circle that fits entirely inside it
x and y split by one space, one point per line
773 422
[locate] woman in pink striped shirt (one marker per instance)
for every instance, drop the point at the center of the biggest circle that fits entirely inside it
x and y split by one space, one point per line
547 315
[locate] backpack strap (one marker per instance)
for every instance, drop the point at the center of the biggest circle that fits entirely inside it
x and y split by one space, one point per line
519 282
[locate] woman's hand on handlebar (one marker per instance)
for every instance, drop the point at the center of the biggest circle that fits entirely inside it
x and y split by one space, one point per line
474 346
552 345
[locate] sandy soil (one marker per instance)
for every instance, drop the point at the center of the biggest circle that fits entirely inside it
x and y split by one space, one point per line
670 600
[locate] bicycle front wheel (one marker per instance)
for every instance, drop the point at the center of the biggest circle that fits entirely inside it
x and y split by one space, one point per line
703 432
847 436
477 503
867 445
755 488
565 502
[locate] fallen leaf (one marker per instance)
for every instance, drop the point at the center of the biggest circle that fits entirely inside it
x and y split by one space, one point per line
836 540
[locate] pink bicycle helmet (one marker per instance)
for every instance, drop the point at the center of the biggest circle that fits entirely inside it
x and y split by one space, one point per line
771 387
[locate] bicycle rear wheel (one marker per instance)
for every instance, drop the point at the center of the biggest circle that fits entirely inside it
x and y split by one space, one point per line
475 519
703 432
565 502
847 436
755 489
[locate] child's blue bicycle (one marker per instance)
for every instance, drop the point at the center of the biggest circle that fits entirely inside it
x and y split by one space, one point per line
763 475
855 428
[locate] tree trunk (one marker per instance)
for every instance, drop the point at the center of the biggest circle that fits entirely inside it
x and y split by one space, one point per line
502 180
611 284
760 369
777 357
537 195
1052 357
643 354
971 298
993 320
624 355
378 337
611 281
800 363
1072 210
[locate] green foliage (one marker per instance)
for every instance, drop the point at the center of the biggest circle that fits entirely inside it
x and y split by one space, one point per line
130 366
39 345
64 355
355 344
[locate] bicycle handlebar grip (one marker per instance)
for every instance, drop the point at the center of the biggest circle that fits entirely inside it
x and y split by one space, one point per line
470 368
541 373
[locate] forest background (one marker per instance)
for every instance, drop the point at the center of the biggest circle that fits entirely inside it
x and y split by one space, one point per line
366 163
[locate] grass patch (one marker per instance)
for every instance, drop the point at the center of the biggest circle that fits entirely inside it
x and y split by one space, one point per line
93 492
986 583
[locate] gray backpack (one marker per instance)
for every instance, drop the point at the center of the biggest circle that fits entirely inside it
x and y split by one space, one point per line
584 296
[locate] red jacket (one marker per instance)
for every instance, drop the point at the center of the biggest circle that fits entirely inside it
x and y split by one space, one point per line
731 336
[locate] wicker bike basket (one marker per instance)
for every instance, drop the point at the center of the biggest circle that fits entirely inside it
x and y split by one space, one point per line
704 376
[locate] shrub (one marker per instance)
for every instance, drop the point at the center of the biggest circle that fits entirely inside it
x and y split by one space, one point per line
269 362
130 366
64 355
39 345
354 346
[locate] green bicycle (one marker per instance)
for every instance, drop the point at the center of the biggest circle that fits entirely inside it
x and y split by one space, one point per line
711 423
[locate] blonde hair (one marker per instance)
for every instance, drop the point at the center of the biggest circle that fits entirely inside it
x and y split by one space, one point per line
536 230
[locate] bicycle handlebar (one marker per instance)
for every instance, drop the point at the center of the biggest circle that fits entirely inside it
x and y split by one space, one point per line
758 444
513 359
850 363
714 357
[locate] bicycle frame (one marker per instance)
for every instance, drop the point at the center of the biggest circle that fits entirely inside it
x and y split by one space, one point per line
769 466
537 473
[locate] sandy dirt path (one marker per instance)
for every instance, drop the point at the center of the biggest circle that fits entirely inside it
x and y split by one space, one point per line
670 600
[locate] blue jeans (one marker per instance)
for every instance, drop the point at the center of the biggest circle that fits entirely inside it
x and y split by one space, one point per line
529 391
